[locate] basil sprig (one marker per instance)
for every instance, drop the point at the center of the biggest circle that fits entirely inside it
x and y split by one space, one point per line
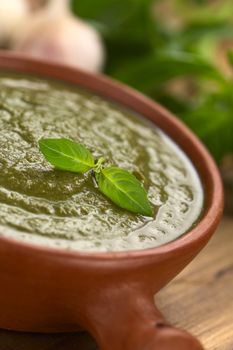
119 185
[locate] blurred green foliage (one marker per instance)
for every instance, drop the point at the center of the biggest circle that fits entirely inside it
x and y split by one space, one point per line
176 52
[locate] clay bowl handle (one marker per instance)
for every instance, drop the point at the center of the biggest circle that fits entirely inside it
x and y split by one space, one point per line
140 328
163 336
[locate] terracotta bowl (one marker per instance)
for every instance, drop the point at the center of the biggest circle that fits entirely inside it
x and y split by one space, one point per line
111 295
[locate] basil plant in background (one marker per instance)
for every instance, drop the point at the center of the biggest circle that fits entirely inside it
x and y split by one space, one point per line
179 52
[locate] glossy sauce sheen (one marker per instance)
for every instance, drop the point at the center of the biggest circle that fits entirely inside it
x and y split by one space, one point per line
61 209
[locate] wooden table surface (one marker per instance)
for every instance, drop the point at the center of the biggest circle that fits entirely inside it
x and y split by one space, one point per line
200 300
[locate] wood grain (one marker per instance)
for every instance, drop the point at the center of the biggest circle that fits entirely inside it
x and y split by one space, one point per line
200 300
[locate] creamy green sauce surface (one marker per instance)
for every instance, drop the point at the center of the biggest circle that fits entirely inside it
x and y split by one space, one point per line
56 208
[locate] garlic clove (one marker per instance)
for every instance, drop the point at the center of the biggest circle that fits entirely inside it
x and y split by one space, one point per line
58 36
12 14
35 5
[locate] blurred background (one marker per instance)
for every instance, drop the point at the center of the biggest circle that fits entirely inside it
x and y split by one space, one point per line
179 52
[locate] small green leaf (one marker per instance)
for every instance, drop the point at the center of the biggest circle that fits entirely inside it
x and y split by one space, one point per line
230 57
67 155
99 164
124 190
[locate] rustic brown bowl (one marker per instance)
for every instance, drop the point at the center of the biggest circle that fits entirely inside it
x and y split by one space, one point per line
111 295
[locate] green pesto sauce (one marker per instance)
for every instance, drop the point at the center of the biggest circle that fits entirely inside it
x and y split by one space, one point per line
62 209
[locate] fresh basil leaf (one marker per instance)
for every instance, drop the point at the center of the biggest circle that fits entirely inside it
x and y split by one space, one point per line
66 154
160 68
212 121
230 57
124 190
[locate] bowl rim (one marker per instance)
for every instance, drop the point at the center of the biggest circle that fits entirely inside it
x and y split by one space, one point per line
170 124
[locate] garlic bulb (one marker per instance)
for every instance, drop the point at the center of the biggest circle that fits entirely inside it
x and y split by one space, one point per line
56 35
12 13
